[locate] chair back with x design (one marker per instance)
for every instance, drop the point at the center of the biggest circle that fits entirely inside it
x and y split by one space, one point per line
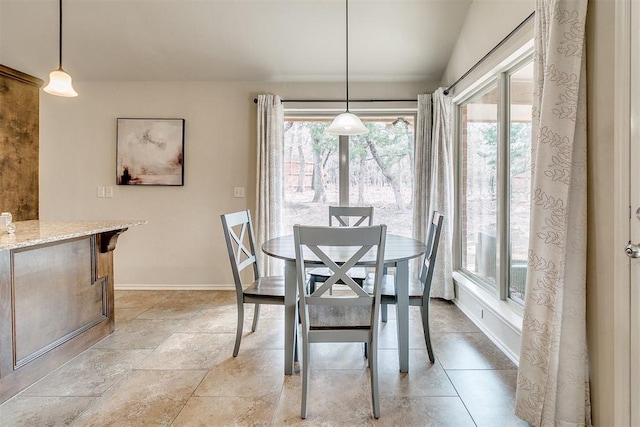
238 232
342 216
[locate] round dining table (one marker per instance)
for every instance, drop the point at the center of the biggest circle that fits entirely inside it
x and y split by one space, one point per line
398 251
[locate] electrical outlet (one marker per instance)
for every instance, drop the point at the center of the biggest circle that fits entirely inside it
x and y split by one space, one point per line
108 192
100 192
238 192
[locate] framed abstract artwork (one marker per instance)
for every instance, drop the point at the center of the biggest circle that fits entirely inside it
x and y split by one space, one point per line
150 152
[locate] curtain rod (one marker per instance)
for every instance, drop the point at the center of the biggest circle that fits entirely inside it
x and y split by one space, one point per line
503 41
255 100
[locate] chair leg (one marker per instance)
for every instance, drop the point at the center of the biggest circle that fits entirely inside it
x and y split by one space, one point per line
295 345
239 329
424 311
373 367
256 315
383 312
305 377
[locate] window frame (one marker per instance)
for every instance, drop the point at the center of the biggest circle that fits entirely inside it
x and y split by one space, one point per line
343 153
514 68
486 85
500 77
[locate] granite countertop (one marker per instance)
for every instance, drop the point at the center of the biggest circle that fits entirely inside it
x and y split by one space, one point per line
30 233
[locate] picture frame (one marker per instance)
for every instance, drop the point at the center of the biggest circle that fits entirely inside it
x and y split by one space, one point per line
150 152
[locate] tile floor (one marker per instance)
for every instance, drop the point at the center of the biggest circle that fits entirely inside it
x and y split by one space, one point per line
169 363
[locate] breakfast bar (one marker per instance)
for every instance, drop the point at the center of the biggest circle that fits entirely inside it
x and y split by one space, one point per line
56 295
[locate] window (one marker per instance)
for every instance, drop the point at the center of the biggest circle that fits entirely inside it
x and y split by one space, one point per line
479 149
380 170
494 163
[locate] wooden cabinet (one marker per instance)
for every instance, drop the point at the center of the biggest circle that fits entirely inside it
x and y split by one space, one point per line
19 143
56 296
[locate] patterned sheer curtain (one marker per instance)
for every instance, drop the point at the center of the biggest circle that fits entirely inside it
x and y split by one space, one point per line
269 176
553 376
434 182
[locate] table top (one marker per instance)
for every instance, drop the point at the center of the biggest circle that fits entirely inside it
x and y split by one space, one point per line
397 248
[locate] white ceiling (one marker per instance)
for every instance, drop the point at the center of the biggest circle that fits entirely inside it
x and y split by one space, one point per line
232 40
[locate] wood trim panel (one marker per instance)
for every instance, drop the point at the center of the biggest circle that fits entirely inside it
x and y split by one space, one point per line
22 378
96 279
107 240
53 296
20 76
105 273
6 315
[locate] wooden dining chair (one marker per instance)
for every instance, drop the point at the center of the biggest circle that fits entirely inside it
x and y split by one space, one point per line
349 314
345 216
238 233
419 289
350 216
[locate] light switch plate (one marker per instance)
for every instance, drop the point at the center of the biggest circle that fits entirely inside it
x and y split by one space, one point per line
100 192
108 192
238 191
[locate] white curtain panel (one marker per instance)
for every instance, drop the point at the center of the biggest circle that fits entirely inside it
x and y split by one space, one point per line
422 161
553 376
441 197
434 183
269 176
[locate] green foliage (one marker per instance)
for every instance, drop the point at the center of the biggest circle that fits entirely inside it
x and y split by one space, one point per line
484 138
393 142
487 141
520 148
322 142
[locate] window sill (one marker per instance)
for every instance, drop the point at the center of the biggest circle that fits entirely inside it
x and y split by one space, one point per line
500 320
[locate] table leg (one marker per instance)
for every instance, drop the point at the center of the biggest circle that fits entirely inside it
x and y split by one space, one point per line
402 313
290 317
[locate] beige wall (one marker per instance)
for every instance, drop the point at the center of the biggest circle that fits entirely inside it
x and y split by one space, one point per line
182 243
483 30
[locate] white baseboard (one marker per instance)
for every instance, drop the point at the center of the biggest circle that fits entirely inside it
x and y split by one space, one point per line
499 322
174 287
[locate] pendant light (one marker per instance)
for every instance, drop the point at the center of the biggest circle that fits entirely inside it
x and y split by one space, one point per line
59 81
347 123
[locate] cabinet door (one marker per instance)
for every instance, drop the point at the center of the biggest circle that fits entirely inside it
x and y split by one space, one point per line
19 124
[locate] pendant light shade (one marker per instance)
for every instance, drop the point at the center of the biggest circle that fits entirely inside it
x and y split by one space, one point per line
59 80
60 84
347 123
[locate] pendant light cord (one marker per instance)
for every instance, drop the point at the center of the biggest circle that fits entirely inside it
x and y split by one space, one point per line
347 50
60 37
